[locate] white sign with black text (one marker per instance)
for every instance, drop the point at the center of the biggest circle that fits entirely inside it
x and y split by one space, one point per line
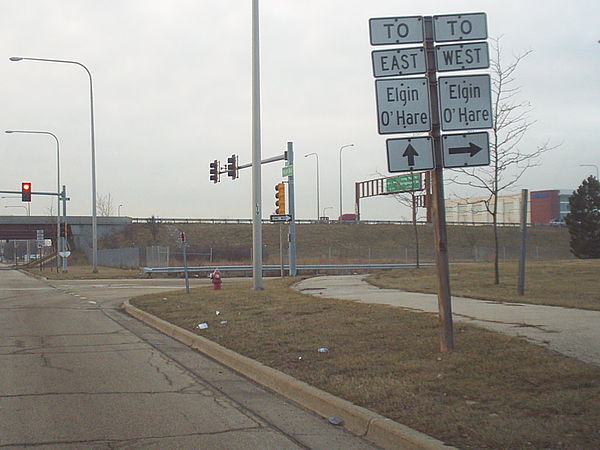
396 30
399 61
403 105
460 27
471 56
465 102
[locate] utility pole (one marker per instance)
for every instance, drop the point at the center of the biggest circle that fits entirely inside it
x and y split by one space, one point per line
439 208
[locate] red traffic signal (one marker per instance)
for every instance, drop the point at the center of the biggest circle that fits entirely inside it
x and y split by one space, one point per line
26 192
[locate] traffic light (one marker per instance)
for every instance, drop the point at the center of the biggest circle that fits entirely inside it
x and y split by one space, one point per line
26 192
280 198
232 170
214 171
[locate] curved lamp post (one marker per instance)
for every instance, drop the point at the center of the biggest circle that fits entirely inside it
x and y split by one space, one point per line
93 143
342 148
58 246
318 194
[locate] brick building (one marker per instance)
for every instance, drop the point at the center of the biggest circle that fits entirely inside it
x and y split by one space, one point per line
549 205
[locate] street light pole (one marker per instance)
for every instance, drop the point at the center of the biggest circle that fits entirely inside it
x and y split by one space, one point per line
591 165
256 154
342 148
58 249
93 144
318 192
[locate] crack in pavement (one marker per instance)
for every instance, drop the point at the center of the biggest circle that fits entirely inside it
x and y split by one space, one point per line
515 324
207 393
129 441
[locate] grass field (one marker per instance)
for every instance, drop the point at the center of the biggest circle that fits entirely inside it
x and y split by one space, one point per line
572 284
493 391
84 272
341 242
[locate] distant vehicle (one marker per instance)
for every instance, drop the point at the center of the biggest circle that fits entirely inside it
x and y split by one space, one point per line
347 217
557 223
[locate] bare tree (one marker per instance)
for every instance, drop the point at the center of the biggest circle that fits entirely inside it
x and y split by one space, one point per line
50 209
410 199
511 121
104 205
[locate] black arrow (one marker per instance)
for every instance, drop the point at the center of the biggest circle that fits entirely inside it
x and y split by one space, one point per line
411 153
472 149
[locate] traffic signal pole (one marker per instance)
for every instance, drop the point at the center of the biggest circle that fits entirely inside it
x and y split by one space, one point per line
64 224
291 201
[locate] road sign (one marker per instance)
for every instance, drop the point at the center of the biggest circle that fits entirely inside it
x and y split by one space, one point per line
465 102
409 154
281 218
287 171
396 30
466 150
474 55
399 61
402 105
64 254
403 183
40 241
460 27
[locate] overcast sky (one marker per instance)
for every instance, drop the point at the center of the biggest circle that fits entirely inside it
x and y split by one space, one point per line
172 88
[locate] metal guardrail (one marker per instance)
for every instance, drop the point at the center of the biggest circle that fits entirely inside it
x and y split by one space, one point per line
275 267
173 220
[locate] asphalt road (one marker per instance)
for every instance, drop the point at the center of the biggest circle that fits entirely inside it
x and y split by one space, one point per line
76 372
572 332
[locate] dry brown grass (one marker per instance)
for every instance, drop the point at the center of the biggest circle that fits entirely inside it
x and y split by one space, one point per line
85 273
571 283
494 391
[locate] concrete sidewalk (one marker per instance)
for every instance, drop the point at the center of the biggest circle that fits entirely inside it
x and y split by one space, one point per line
572 332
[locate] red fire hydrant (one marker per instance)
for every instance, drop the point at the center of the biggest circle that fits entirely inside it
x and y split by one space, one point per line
216 279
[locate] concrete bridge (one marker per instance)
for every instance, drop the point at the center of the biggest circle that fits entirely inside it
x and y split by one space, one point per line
79 228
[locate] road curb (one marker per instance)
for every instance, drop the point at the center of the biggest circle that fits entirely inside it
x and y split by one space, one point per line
360 421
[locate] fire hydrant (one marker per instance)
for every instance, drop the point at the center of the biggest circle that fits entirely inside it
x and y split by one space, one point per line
216 279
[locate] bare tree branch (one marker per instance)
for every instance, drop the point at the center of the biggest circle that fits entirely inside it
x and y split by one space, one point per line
511 121
105 206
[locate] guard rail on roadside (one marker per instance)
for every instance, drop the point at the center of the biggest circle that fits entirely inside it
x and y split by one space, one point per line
174 220
275 267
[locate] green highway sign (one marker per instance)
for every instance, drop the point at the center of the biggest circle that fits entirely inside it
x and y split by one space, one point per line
287 171
403 183
62 199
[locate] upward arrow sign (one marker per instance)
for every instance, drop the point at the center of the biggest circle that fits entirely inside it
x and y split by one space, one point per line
410 152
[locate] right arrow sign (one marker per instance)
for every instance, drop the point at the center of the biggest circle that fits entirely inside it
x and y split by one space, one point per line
466 150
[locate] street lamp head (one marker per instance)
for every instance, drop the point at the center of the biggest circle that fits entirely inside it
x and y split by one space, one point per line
9 131
16 58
